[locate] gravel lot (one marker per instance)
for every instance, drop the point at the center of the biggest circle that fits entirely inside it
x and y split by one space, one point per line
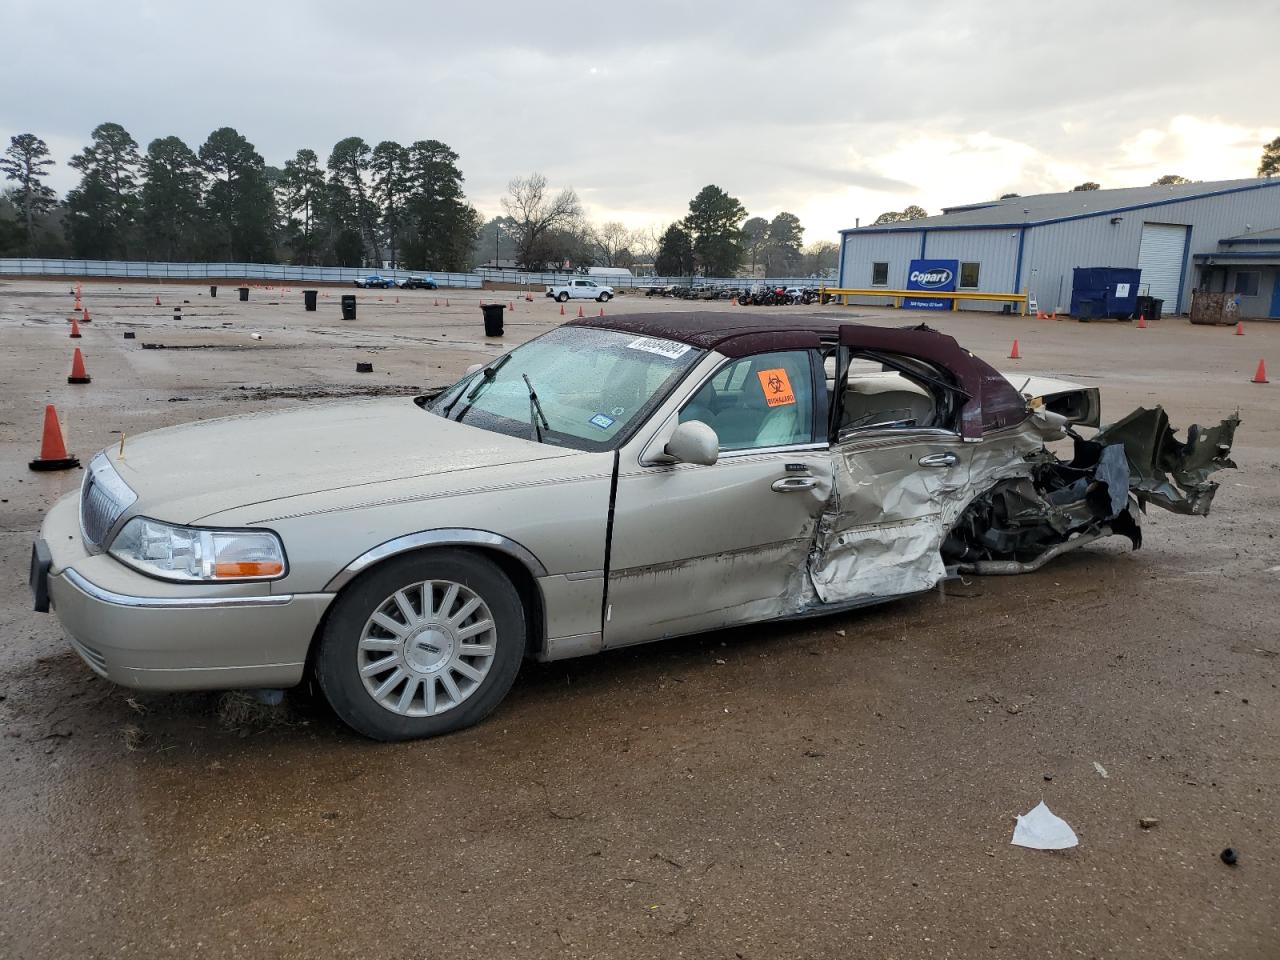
844 787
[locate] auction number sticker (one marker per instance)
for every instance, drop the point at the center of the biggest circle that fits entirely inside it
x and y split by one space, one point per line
601 421
777 387
663 348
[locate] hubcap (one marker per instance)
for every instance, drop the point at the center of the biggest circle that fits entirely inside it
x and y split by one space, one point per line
426 648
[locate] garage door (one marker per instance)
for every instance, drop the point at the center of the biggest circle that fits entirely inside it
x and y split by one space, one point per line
1160 260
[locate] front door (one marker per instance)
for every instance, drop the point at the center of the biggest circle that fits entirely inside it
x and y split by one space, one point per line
696 548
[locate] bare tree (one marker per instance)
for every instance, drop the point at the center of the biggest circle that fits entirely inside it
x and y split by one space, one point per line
537 215
645 243
612 242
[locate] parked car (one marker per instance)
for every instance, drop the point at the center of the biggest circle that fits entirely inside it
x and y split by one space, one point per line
375 281
580 290
615 481
417 283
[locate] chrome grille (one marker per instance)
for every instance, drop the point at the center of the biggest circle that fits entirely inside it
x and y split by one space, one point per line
103 498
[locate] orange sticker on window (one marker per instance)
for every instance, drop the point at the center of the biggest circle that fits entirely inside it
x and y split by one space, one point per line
776 387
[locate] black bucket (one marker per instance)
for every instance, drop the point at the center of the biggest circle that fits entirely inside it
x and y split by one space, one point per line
348 306
244 293
309 299
213 291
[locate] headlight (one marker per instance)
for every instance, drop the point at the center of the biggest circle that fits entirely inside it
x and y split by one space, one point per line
198 553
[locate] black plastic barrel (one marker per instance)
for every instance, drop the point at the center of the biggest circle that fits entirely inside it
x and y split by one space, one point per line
348 306
309 299
213 291
244 293
492 319
1157 309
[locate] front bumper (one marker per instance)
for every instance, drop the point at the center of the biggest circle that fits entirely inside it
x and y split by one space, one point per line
147 634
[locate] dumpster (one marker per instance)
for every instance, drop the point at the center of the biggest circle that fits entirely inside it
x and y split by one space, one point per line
348 306
213 291
1104 292
492 319
309 299
244 293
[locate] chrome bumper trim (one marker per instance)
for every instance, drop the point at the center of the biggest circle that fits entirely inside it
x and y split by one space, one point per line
124 600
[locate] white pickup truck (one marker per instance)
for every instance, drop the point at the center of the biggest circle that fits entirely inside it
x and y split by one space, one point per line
580 290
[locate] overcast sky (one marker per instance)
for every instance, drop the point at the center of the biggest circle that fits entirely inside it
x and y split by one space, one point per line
834 111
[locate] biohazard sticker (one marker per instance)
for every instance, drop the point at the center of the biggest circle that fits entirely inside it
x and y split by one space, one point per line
776 387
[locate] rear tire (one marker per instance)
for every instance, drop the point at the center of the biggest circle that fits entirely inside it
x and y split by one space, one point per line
423 644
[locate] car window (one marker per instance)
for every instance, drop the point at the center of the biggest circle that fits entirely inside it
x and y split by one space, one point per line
903 394
594 386
760 401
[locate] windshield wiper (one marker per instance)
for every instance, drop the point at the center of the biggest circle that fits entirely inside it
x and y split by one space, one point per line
485 378
535 410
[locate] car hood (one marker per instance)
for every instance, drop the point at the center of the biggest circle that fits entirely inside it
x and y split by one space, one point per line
184 473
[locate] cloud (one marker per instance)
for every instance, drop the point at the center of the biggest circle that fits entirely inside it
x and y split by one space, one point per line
834 110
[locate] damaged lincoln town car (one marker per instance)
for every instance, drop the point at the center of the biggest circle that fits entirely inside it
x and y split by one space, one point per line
615 481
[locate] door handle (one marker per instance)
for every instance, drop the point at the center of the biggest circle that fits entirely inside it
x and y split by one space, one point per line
794 484
939 460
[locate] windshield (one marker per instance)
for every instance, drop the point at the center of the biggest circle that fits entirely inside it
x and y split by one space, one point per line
575 386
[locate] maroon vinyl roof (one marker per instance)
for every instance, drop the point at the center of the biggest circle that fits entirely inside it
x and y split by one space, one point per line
733 334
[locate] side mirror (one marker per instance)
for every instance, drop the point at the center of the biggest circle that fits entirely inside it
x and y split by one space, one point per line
473 368
693 442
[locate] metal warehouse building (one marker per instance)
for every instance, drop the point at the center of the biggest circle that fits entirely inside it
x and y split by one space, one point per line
1223 237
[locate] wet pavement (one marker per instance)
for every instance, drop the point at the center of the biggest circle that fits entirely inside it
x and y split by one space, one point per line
842 787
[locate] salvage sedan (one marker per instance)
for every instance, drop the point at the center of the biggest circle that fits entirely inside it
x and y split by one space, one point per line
615 481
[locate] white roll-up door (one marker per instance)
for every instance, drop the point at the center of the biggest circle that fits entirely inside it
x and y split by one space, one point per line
1160 260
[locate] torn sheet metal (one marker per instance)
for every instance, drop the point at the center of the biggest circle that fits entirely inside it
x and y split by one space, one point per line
1165 471
1016 524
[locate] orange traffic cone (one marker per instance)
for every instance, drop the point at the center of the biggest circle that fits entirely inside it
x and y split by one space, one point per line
528 297
562 309
1039 314
397 299
77 306
157 299
1142 321
1014 354
446 301
53 452
75 329
436 302
78 372
1261 375
511 306
580 314
85 316
1054 315
1239 329
602 311
733 301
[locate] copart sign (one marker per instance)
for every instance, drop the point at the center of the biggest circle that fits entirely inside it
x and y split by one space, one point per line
931 275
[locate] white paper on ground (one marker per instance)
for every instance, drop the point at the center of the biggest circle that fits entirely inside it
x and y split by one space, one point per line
1041 829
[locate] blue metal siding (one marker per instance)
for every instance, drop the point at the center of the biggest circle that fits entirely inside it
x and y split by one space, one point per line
858 253
995 250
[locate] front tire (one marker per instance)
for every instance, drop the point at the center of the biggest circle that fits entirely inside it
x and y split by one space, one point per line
603 298
562 297
422 645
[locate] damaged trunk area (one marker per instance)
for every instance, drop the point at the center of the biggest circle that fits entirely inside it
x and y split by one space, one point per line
1020 523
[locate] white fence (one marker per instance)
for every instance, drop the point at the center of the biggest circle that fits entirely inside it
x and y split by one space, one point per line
642 283
218 271
143 270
